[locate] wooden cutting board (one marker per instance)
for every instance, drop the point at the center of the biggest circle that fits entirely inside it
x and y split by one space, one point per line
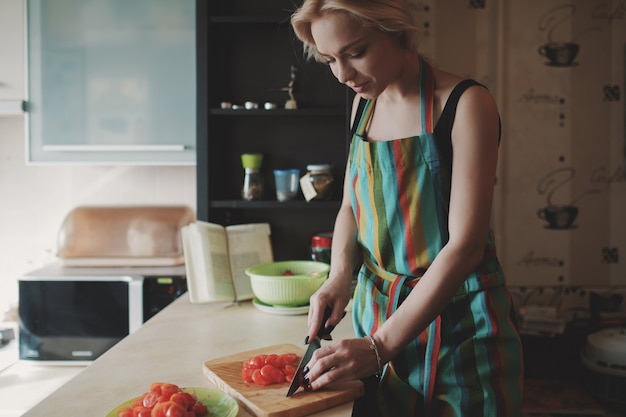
271 400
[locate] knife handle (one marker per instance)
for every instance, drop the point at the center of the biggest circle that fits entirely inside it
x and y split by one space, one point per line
323 332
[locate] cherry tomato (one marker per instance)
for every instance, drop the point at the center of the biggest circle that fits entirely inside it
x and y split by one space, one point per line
290 369
156 387
289 357
168 389
272 360
150 399
259 379
176 410
141 411
191 399
125 412
138 402
168 409
272 374
256 362
200 409
183 400
246 374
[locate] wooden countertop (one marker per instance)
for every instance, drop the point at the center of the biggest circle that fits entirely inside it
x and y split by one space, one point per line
172 347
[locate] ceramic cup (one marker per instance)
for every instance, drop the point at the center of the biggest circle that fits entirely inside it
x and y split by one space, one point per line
287 183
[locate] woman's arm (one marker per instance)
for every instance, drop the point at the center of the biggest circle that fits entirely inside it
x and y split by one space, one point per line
345 255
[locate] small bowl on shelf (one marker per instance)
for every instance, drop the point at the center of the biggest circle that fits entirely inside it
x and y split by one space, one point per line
287 283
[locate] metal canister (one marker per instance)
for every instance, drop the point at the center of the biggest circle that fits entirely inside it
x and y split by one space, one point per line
321 244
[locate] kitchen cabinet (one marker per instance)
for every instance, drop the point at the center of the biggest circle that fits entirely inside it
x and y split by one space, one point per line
246 51
111 82
12 90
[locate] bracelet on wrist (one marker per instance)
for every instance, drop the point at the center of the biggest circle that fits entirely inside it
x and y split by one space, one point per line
374 348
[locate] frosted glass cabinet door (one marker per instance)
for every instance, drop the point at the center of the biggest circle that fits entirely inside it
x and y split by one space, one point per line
111 81
11 52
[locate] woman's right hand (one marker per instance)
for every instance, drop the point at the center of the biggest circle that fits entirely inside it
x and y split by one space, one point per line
335 294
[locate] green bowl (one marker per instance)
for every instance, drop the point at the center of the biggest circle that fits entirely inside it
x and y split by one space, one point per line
287 283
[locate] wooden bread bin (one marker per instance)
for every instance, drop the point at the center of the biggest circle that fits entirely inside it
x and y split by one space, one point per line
123 236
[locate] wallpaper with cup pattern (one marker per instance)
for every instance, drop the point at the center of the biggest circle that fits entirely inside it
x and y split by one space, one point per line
557 69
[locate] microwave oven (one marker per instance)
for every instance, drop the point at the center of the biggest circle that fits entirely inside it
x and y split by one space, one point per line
72 315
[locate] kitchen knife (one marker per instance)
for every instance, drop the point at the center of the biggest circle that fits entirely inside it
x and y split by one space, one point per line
322 333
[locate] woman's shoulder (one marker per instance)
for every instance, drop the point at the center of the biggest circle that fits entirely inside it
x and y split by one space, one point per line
446 83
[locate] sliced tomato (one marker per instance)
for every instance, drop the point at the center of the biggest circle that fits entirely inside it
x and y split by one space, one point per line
246 374
168 409
289 357
141 411
272 359
150 399
175 410
156 387
137 402
183 400
256 362
168 389
290 369
191 399
259 379
125 412
272 373
200 409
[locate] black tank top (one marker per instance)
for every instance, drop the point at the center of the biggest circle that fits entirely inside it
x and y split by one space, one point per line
443 128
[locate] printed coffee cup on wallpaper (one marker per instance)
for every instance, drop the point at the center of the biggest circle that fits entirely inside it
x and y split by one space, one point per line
558 217
559 53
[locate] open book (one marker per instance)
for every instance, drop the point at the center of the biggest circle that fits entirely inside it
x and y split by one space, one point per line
216 258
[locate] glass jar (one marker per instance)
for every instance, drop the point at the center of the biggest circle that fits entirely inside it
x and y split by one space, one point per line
321 178
252 184
320 247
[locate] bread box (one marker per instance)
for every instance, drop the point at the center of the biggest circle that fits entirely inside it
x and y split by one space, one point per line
123 236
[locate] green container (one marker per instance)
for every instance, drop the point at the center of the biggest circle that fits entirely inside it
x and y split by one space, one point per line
271 286
252 160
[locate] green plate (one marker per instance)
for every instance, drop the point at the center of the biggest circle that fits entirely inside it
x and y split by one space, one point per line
218 403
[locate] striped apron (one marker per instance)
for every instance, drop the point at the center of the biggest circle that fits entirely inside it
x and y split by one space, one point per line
467 362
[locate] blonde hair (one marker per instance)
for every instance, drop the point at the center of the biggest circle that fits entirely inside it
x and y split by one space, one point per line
390 16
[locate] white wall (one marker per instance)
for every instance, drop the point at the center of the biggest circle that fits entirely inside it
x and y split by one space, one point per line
34 200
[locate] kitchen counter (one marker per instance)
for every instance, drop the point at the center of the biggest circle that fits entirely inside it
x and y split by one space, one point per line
172 347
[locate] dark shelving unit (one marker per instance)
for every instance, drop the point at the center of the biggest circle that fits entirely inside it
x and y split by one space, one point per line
245 50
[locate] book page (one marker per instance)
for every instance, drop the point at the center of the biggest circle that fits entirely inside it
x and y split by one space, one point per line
206 259
248 245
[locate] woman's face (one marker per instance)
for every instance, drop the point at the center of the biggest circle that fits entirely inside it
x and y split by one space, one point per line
365 60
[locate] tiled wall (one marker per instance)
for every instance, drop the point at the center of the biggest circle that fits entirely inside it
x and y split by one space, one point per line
35 199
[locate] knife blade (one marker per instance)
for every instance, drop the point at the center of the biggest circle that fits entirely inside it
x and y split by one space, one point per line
322 333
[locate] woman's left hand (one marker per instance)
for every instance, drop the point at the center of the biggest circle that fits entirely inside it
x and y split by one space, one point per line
345 360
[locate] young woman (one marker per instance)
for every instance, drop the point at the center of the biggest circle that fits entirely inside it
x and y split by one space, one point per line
431 311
